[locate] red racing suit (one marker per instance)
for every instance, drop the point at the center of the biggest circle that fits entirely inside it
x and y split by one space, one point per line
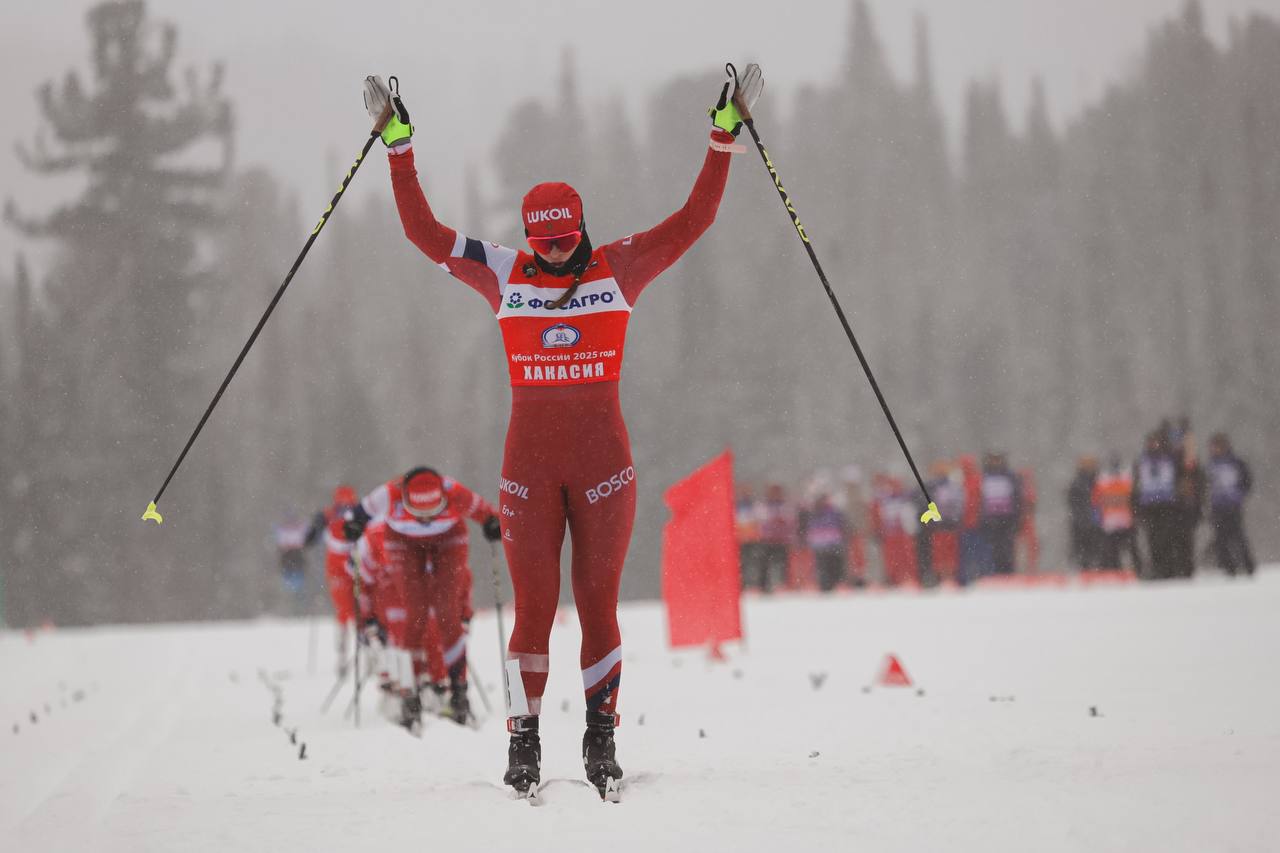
337 551
427 560
380 594
382 598
567 459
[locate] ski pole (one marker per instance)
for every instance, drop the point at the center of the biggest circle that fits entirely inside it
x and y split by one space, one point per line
152 514
484 694
355 595
930 514
311 630
333 693
502 632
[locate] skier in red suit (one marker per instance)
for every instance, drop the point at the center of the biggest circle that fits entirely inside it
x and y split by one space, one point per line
562 309
328 522
382 614
385 616
337 551
380 597
425 547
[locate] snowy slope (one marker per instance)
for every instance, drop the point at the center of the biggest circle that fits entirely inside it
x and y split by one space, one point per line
161 738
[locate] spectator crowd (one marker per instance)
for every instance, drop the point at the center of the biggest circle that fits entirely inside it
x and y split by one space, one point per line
1146 515
828 532
849 530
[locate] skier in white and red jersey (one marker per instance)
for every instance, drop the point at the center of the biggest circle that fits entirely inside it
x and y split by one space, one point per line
384 616
413 673
562 310
425 547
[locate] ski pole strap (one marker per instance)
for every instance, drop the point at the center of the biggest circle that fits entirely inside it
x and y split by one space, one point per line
931 514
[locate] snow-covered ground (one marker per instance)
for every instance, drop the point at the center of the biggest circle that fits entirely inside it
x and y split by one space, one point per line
161 738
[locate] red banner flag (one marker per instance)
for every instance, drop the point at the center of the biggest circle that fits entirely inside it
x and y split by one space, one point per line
701 576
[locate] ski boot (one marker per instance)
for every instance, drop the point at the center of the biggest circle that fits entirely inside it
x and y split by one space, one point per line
434 697
598 756
524 757
389 701
459 705
411 713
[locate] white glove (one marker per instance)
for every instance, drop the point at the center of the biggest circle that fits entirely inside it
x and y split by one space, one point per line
381 101
377 97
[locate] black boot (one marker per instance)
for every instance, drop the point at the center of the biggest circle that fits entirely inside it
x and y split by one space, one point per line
598 755
524 755
411 713
459 704
435 697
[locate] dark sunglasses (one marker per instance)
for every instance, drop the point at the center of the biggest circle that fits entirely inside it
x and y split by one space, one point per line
566 242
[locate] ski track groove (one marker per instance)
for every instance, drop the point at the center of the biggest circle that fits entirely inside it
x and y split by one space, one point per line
71 810
169 756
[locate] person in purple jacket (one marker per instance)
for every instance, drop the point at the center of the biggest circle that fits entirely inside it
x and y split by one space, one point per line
825 529
1230 482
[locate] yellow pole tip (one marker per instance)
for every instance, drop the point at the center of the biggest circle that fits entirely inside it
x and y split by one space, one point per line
152 515
931 514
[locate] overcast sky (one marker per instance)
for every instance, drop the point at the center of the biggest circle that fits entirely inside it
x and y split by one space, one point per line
295 66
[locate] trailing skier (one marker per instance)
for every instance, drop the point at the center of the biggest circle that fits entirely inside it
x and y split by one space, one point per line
425 547
383 619
337 553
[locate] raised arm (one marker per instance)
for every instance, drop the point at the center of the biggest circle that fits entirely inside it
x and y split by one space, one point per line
481 266
640 258
429 234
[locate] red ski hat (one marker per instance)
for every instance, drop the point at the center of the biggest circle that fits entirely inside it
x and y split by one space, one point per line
551 209
345 495
423 492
